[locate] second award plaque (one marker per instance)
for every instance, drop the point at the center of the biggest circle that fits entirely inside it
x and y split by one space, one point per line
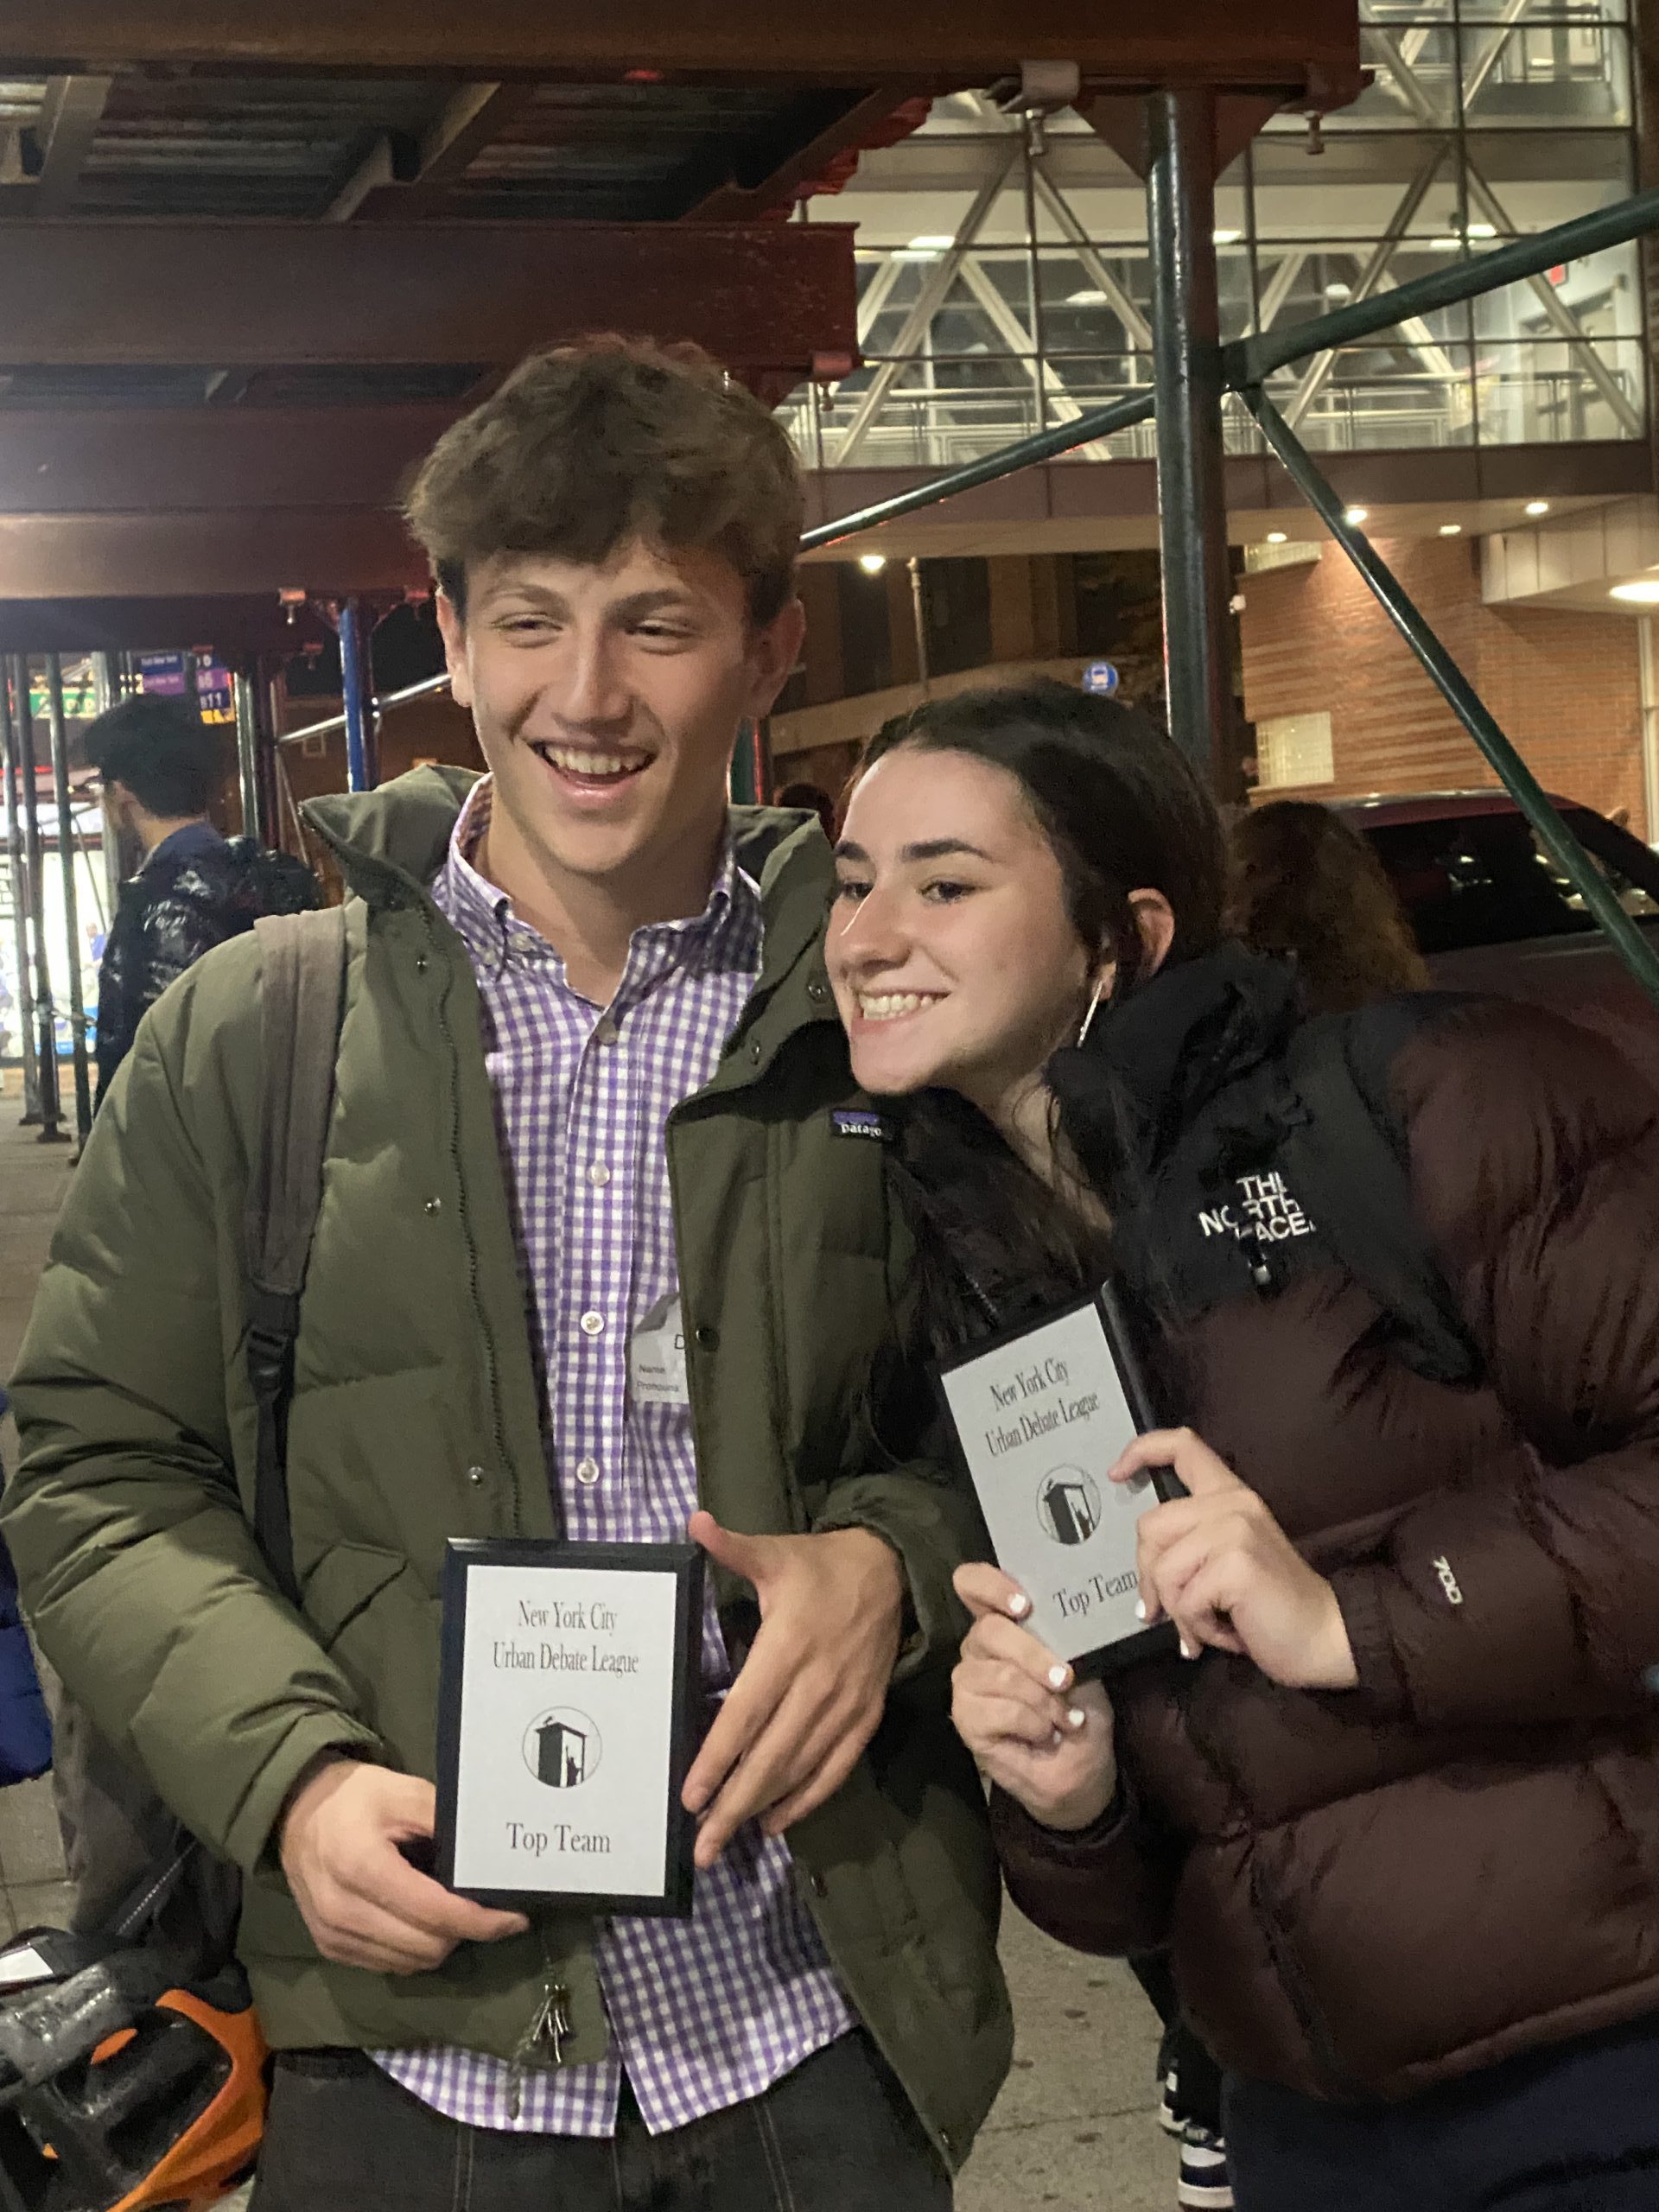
1042 1414
566 1721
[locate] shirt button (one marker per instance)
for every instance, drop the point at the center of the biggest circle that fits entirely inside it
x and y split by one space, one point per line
709 1339
434 1206
754 1053
587 1472
598 1174
475 1475
593 1325
817 990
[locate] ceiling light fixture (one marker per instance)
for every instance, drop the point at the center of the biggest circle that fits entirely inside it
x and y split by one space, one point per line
1227 237
1355 516
1641 595
1482 230
1085 299
1537 507
1277 537
1451 529
872 563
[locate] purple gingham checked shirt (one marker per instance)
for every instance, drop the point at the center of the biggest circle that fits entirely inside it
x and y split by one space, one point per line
707 2011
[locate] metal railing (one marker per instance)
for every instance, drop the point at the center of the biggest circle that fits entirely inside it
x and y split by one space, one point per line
1246 366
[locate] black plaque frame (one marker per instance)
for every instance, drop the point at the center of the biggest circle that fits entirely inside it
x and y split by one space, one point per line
1160 1641
684 1564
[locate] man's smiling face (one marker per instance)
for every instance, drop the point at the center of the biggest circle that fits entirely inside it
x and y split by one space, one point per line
606 698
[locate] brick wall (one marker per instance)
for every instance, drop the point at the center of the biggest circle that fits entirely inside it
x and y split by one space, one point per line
1564 687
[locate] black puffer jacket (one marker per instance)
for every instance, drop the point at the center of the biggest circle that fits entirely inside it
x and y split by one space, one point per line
175 909
1367 1892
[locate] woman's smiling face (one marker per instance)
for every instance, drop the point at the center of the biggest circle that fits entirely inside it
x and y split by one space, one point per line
951 951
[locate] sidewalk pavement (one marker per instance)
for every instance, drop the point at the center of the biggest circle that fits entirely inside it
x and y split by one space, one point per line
1075 2128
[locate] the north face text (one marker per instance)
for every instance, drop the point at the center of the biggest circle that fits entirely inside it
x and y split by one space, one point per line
1264 1213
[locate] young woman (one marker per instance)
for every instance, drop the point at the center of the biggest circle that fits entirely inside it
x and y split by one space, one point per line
1397 1810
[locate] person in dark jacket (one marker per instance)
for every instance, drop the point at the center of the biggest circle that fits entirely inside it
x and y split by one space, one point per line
195 888
1395 1810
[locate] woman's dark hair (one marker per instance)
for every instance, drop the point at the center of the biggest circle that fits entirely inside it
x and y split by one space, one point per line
1306 882
1123 810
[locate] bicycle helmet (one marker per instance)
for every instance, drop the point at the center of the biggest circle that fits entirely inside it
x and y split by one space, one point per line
120 2094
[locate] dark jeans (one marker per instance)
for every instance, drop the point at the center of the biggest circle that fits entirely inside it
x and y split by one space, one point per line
1573 2129
837 2135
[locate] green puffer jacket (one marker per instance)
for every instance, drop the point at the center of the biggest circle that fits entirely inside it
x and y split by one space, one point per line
415 1418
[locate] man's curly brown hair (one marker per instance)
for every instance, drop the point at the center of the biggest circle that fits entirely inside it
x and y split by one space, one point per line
589 445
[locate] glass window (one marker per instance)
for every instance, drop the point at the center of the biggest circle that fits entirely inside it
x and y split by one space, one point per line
1557 391
1601 294
1564 72
1473 880
1357 187
1578 11
1388 393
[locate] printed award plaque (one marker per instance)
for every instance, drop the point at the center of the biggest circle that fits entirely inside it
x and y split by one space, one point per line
1042 1414
566 1719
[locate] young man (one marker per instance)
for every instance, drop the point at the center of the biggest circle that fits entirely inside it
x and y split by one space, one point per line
591 1093
195 888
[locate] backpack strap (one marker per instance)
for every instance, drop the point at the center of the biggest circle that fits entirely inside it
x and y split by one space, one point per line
1350 1164
301 988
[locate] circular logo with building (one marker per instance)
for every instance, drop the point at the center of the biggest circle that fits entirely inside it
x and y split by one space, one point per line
562 1748
1068 1505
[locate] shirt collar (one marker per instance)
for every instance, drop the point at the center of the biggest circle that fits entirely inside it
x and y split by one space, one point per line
184 844
726 933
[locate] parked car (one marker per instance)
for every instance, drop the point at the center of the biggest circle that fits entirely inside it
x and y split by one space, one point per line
1493 913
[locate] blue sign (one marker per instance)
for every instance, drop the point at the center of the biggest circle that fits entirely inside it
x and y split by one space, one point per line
167 674
1101 678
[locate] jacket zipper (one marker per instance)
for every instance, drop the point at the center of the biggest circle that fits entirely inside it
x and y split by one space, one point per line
491 1367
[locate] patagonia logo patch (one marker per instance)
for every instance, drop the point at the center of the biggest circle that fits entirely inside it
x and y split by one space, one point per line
852 1121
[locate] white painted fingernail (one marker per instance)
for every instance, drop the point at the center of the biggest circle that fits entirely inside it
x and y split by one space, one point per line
1140 1609
1077 1717
1187 1652
1058 1738
1019 1604
1059 1677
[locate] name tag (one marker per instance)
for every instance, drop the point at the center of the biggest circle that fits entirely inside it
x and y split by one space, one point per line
1041 1416
656 1357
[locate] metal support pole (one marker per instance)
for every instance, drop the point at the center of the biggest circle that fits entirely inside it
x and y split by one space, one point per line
71 904
21 905
247 755
356 697
750 778
1638 954
1648 664
46 1021
1188 378
918 619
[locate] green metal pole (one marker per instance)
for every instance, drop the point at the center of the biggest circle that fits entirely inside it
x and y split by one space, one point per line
1638 956
1186 373
60 738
